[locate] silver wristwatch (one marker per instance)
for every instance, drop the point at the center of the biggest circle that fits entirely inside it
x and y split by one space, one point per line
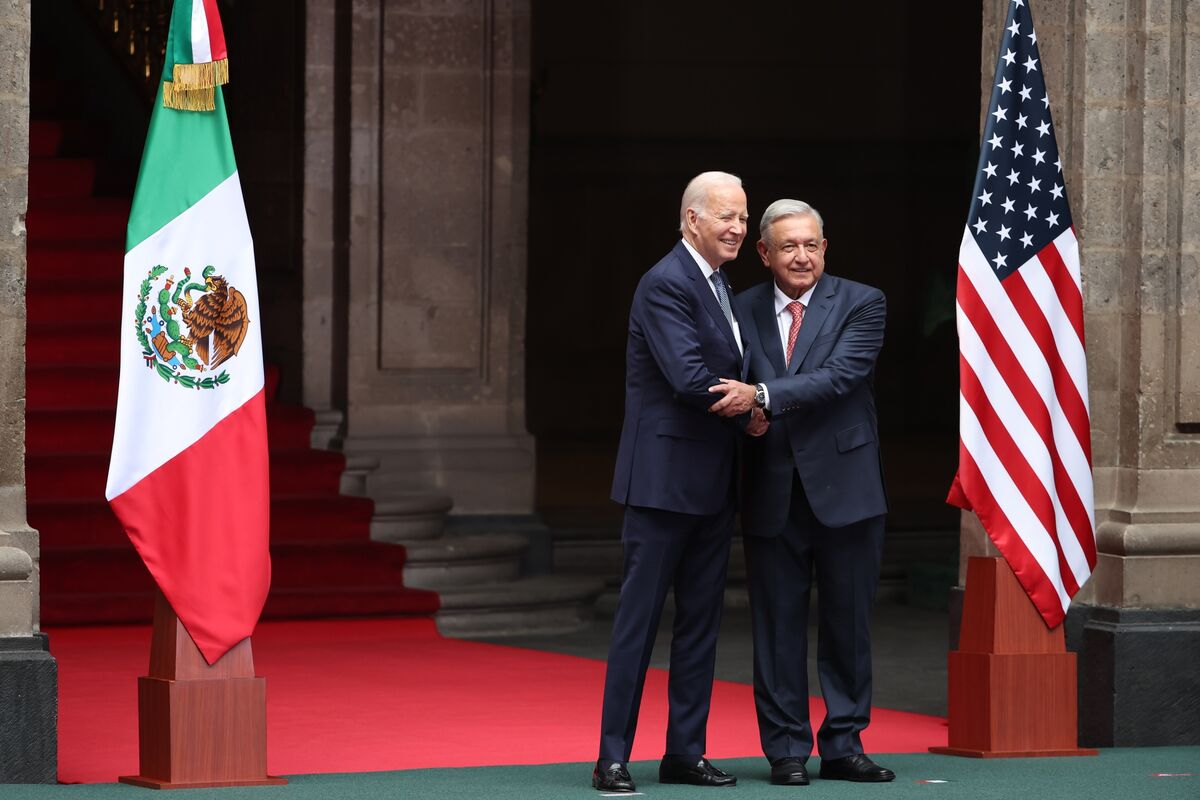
760 395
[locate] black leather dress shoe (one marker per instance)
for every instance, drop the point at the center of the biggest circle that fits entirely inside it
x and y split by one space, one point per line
696 773
789 771
613 778
855 768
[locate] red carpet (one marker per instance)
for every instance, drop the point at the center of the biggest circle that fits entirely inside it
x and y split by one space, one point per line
385 694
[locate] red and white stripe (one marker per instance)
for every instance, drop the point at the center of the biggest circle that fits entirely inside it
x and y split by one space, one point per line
208 37
1025 443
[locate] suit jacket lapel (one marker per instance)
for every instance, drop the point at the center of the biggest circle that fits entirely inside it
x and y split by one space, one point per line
814 318
768 329
745 344
692 270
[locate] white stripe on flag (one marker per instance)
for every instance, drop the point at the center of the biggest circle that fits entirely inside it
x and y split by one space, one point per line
1068 247
201 47
213 231
1032 362
1010 500
1070 349
1015 421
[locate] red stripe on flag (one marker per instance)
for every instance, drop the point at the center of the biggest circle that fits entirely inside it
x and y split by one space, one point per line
210 557
1069 400
1006 362
1013 375
1008 541
1027 481
216 33
1068 292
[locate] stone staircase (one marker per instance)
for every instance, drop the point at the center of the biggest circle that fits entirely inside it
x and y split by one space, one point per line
491 573
494 575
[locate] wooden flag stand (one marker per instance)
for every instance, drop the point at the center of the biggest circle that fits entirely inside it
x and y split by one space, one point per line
199 725
1013 690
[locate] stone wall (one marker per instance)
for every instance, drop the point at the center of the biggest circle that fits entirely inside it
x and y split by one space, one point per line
18 588
28 678
438 159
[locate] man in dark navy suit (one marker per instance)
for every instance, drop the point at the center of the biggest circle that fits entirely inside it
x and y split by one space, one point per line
813 498
675 475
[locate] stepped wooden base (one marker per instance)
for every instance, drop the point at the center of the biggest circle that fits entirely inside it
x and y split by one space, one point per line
957 751
199 726
152 783
1012 684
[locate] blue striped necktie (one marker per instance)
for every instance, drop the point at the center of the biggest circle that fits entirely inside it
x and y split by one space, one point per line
718 282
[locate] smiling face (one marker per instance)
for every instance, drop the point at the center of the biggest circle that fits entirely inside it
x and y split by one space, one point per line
795 253
718 230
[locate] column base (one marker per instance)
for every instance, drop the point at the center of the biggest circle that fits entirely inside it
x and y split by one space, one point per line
29 697
1138 683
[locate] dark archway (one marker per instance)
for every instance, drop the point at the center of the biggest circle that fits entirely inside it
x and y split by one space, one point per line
869 114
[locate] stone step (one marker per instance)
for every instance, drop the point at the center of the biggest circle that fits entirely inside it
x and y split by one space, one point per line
454 562
546 604
412 518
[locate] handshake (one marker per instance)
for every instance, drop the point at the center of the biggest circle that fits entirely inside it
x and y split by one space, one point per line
738 399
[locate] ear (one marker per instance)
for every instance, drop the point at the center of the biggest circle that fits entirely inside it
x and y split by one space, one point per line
690 219
762 253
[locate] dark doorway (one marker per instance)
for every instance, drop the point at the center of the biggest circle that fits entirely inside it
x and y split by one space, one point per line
870 114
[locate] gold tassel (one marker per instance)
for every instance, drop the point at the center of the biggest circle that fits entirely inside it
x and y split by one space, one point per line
188 99
202 76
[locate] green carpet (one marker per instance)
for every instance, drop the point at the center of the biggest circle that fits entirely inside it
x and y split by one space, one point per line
1123 774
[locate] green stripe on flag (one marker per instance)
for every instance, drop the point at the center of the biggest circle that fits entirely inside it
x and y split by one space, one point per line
187 154
179 38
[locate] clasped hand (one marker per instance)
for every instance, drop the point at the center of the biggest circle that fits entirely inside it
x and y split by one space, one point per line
738 399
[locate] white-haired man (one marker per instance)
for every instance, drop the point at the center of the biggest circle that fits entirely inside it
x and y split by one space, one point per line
675 475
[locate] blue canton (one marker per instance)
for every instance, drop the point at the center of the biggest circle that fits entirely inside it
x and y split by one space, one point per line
1019 205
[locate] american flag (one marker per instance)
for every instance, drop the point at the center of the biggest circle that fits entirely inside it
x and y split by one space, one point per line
1025 455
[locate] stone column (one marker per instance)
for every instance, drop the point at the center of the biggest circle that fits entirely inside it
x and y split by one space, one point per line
324 323
28 674
1125 94
437 257
1140 158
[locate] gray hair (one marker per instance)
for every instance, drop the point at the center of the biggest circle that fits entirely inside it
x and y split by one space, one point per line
787 208
695 196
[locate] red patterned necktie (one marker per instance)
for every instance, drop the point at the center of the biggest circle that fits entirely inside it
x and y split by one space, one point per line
797 309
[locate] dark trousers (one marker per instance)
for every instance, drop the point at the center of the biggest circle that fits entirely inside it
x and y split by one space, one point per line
664 549
780 571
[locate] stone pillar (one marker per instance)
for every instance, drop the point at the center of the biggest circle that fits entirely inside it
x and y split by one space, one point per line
1125 108
1139 144
28 674
438 176
324 248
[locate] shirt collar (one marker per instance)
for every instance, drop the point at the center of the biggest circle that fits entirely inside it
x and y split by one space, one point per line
782 300
704 266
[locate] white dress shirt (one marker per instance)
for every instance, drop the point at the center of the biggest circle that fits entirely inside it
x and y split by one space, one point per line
783 319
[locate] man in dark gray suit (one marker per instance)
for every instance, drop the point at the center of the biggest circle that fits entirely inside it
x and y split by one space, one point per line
813 498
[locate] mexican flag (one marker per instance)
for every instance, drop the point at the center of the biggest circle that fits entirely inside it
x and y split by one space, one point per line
188 477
